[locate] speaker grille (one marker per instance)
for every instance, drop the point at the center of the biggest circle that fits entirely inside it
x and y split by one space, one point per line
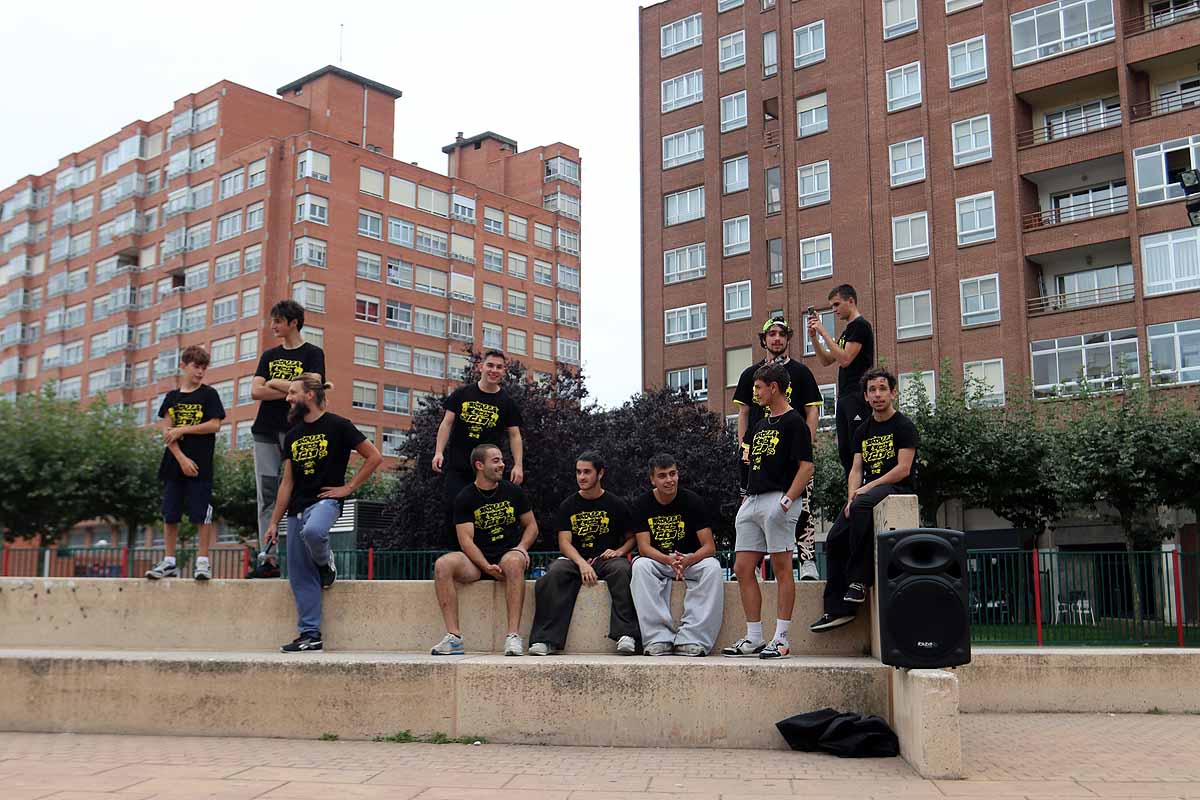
926 617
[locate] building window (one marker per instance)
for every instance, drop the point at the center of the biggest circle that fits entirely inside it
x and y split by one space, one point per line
976 218
692 381
516 341
399 315
737 300
980 300
680 35
972 140
543 347
310 295
562 203
543 309
735 174
914 315
683 90
396 399
736 235
370 181
1158 167
1171 261
683 206
732 50
311 208
518 227
1103 359
248 346
686 324
518 265
430 281
726 5
366 395
256 174
568 278
307 251
493 258
433 242
254 216
568 241
813 183
774 189
910 237
393 441
366 309
733 111
1174 351
904 86
908 382
311 164
368 266
401 232
434 201
816 257
684 263
908 161
812 114
543 236
543 273
370 224
397 357
899 17
492 336
968 62
1055 28
516 303
568 314
683 147
225 309
770 53
366 351
808 43
430 323
568 350
223 352
775 262
229 226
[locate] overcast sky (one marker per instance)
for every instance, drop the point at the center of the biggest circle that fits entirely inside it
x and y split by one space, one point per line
532 70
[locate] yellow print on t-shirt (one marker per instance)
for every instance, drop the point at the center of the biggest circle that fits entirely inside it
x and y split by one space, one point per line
666 530
477 415
308 450
186 414
763 444
876 450
493 518
587 525
286 369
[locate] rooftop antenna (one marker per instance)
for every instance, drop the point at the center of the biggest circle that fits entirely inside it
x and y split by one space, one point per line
341 40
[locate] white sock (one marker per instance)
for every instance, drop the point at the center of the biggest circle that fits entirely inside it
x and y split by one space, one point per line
201 559
754 632
781 628
169 559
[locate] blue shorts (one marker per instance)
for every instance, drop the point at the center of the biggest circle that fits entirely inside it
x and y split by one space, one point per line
190 495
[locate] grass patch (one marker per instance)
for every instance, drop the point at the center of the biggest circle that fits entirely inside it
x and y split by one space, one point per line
1156 710
437 737
328 737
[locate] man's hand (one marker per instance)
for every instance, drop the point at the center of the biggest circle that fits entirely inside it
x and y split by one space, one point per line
846 510
587 574
745 454
679 563
334 492
172 435
518 475
814 325
438 459
607 554
494 570
272 534
188 467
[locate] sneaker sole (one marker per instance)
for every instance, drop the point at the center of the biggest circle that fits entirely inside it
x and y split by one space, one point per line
203 578
830 626
856 602
774 657
755 654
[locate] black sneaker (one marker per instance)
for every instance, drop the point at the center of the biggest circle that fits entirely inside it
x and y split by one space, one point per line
303 643
265 570
328 574
857 593
828 622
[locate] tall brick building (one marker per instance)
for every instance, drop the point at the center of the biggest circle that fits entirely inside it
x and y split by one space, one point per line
186 228
996 177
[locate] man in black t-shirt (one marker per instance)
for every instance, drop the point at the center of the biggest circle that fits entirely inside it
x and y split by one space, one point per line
191 416
804 395
495 529
316 451
675 543
595 542
781 465
885 450
277 368
477 413
854 353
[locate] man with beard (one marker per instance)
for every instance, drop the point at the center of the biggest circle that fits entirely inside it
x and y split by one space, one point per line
316 451
595 541
802 394
854 353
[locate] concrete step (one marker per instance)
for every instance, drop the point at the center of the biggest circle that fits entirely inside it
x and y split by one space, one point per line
400 616
600 700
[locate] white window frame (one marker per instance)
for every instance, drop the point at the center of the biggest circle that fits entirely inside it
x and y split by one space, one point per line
692 31
915 329
1170 336
970 48
1119 348
731 51
735 174
808 44
906 379
813 264
909 74
692 86
903 24
906 161
685 263
816 107
735 235
816 174
986 313
694 319
737 301
693 381
1151 162
733 111
977 152
689 202
1179 271
683 147
903 247
981 233
1063 44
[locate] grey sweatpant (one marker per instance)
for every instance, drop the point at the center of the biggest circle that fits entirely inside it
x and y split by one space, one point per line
268 463
703 602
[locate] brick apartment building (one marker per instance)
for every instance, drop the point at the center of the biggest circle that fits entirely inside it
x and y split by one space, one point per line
185 229
996 177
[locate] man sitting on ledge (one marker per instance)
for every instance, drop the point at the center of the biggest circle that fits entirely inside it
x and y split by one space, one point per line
495 529
675 540
595 541
884 448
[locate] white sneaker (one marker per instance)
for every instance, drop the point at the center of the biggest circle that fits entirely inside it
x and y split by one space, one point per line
535 649
203 571
808 571
450 645
163 569
626 646
743 648
513 646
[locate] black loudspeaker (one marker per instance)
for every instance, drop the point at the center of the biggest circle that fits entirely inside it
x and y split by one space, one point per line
922 588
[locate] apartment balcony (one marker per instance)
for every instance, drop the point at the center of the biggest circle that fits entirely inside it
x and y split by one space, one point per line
1080 278
1166 30
1076 212
1069 301
1070 140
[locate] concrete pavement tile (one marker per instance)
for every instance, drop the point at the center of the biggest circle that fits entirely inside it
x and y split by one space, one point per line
144 771
343 791
585 794
448 793
93 796
1012 788
62 783
418 776
615 782
685 785
50 766
1187 789
916 788
306 775
194 789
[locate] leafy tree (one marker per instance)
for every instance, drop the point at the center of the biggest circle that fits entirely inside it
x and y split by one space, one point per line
235 496
1177 472
829 481
130 490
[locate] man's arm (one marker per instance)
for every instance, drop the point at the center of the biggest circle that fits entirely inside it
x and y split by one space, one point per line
529 535
904 461
708 547
648 550
803 476
843 356
261 390
208 426
567 549
853 480
443 436
466 542
812 416
517 446
371 461
282 498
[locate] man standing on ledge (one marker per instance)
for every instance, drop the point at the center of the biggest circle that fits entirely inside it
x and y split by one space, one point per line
885 449
854 353
277 368
478 413
804 395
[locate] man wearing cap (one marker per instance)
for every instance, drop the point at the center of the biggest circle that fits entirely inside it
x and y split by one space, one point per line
804 396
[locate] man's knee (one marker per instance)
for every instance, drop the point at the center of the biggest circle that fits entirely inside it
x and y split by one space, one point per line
445 567
744 566
643 569
513 564
709 570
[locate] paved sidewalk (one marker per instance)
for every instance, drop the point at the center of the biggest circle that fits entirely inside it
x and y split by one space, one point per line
1017 756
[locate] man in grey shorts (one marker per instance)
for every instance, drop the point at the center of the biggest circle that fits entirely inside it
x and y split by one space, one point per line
781 465
277 368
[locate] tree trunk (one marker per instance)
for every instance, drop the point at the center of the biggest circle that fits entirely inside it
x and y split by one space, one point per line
1135 582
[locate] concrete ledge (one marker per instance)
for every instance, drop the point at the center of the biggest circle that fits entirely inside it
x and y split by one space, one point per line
571 700
1092 679
925 717
398 616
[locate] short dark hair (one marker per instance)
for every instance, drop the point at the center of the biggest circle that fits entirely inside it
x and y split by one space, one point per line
494 352
289 311
593 457
773 373
875 373
844 291
479 453
194 354
661 461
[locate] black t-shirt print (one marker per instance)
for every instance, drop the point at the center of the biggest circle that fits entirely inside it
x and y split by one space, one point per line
777 446
479 418
849 378
595 525
880 444
672 526
319 452
186 409
495 515
284 364
802 390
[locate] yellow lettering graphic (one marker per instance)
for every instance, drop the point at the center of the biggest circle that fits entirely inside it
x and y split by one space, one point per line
285 369
477 416
764 443
587 525
186 414
666 530
308 450
493 518
876 450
